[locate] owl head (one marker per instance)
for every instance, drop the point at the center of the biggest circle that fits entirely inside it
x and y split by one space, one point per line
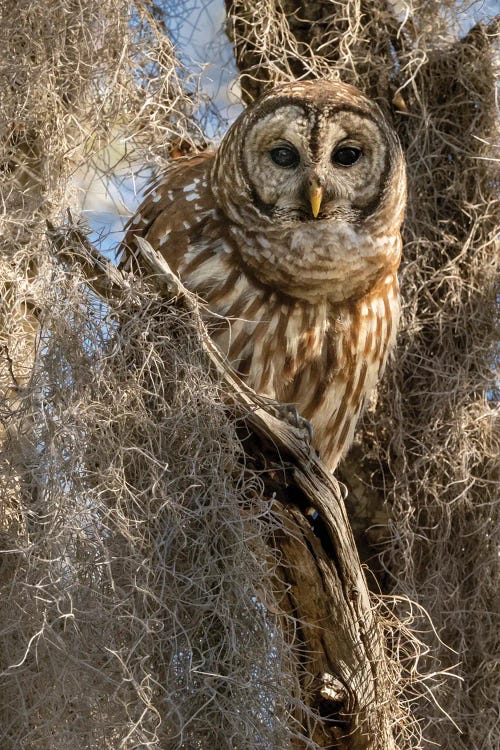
316 162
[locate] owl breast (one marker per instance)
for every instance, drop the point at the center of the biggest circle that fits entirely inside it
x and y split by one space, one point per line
322 357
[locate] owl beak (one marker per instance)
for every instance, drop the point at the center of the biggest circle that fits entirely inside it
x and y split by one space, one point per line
315 197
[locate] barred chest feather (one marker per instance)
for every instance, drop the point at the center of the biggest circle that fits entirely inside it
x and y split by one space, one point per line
322 357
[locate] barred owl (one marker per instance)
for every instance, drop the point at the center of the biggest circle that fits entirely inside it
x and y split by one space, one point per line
291 232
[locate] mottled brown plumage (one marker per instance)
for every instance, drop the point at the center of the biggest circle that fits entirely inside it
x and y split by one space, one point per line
295 248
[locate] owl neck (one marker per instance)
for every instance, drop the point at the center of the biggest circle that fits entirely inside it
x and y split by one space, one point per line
317 260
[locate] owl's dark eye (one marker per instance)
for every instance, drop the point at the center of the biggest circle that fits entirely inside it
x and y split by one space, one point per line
346 156
284 156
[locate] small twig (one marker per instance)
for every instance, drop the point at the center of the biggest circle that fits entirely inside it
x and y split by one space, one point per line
10 366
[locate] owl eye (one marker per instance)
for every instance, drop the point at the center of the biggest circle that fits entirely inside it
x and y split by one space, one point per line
284 156
346 156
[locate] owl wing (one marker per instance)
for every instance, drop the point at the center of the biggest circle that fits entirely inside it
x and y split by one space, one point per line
171 214
180 219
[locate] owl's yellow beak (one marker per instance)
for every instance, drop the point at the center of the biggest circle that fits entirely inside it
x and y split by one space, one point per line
315 197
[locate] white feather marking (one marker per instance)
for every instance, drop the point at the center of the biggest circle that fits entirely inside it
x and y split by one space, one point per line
212 270
164 237
293 330
329 406
244 293
360 346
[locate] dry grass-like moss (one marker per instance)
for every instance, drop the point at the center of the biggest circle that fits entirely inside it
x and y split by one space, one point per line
140 543
126 553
